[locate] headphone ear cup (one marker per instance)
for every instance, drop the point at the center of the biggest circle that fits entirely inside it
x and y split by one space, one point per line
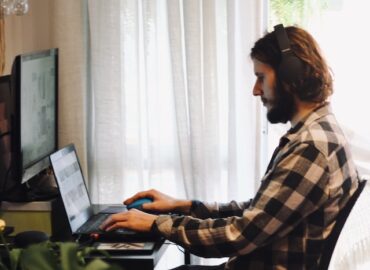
290 68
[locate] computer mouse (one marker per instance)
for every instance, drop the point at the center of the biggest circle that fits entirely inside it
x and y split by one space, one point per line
138 203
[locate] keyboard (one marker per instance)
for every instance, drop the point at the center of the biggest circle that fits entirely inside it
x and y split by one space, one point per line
92 225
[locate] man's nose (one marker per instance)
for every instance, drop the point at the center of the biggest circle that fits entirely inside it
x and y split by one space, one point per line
257 90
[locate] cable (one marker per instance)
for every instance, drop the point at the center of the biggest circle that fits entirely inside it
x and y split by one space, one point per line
5 134
88 241
180 248
4 184
77 240
5 179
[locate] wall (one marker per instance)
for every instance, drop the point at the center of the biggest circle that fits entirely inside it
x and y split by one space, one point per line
59 24
30 32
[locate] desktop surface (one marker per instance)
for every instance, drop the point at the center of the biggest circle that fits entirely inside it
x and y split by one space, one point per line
136 260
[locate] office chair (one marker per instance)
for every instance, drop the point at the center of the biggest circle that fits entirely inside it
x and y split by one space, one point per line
353 246
331 242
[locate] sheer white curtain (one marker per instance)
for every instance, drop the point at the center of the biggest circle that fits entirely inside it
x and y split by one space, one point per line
170 98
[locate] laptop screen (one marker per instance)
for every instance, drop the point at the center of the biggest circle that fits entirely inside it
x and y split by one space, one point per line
72 188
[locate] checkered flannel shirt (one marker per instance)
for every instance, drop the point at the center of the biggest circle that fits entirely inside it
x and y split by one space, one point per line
283 227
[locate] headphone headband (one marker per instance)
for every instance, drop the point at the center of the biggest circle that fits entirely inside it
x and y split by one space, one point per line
290 68
282 38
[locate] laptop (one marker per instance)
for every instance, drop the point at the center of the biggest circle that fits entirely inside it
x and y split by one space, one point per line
83 220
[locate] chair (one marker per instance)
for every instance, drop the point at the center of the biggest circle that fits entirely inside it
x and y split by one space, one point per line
337 232
353 246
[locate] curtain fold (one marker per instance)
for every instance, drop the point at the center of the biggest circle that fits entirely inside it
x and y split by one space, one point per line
193 49
171 88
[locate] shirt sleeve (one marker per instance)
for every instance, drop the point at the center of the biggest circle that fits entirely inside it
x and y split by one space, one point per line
204 210
291 191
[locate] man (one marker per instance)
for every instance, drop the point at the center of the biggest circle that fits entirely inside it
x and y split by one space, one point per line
310 178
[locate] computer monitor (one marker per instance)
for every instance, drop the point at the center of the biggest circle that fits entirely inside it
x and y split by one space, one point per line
5 142
34 129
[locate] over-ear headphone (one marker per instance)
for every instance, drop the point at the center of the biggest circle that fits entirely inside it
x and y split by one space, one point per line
290 68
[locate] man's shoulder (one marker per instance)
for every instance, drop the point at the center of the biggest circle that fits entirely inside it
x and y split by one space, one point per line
325 134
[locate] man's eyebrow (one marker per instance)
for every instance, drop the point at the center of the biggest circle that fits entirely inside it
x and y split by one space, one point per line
258 73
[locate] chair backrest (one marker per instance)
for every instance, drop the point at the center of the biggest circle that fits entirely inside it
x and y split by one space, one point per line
352 250
332 239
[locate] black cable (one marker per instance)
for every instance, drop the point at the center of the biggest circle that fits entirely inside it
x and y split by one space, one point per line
178 246
84 241
4 134
3 186
77 240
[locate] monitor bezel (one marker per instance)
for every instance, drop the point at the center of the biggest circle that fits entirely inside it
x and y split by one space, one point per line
5 134
38 165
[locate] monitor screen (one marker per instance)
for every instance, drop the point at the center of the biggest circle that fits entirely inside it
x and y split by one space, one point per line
35 87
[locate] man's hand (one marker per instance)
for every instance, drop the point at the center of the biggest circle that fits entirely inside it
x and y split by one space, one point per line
134 220
161 202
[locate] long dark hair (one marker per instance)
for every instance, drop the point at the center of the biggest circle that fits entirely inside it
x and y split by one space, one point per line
316 83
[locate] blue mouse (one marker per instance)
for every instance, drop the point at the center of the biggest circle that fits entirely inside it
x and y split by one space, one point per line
138 203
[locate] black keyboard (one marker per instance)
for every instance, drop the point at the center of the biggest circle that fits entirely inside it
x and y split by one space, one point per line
92 225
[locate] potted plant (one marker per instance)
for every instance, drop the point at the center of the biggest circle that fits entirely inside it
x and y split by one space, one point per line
49 256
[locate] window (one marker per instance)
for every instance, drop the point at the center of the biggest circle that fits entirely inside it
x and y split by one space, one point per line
340 27
171 88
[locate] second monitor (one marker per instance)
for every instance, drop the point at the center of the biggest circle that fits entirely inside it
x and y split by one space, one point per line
34 130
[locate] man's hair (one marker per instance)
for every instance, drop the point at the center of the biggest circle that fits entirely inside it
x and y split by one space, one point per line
316 83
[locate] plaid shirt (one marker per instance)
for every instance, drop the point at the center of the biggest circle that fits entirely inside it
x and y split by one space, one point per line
308 182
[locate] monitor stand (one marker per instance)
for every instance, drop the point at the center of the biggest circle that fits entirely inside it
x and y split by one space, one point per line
42 187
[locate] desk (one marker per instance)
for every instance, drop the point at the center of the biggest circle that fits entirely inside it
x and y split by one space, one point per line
137 261
28 216
46 216
55 220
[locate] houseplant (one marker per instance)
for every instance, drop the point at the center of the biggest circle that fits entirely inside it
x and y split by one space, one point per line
49 256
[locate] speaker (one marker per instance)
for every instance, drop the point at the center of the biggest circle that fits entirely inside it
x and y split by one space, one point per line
291 67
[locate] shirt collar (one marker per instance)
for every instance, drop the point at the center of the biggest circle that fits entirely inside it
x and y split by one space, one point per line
317 113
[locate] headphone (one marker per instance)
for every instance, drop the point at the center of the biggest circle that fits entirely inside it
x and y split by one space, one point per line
291 67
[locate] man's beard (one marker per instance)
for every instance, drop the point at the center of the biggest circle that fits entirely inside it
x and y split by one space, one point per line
284 106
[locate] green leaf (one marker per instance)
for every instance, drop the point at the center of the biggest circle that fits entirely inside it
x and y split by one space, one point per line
68 255
297 12
2 266
14 258
100 265
54 256
38 257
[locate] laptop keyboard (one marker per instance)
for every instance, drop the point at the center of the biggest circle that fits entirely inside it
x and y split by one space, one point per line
92 225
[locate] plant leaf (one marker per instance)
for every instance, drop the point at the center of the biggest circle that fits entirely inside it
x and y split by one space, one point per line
14 256
2 266
68 255
38 257
98 264
54 256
